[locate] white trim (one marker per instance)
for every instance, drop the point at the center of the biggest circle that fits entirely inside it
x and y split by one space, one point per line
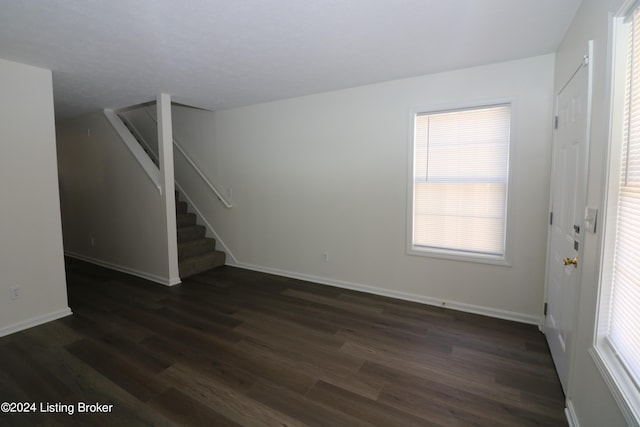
143 158
616 75
501 260
148 276
195 167
617 381
587 61
209 227
202 176
570 413
622 388
190 202
165 164
150 152
627 7
406 296
35 321
458 255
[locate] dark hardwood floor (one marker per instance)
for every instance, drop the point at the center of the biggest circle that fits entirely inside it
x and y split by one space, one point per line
231 347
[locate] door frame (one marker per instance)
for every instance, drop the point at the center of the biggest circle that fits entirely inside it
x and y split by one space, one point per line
588 58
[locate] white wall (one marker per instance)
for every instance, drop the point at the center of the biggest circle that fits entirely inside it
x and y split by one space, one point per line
588 394
31 254
328 173
112 213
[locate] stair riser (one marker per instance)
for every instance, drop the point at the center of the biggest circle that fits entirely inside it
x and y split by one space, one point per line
185 219
186 234
197 248
181 207
198 265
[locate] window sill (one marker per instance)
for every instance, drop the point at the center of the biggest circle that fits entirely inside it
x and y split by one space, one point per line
615 376
458 256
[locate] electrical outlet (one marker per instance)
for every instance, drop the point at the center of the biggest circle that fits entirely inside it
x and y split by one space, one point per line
325 256
93 241
228 193
14 292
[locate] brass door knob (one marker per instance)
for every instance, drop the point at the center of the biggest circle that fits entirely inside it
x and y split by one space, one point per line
571 261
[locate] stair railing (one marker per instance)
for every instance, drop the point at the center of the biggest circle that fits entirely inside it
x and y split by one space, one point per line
195 167
141 140
134 146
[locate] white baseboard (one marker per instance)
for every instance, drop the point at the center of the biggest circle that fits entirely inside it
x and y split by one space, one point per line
148 276
570 413
35 321
454 305
468 308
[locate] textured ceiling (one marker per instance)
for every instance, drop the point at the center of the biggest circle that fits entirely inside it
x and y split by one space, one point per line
223 53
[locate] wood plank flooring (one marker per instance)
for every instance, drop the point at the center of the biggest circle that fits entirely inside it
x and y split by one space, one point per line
231 347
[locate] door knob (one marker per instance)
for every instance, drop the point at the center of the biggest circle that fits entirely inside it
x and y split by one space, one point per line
571 261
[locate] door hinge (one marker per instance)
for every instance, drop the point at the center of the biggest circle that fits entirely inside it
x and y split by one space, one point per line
556 120
550 218
545 308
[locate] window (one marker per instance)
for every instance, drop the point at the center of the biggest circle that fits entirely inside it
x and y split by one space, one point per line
460 182
617 347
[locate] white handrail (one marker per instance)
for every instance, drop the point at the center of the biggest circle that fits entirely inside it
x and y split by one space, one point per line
138 136
204 178
136 149
195 167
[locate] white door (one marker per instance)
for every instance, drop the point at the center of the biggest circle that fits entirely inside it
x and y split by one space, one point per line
568 192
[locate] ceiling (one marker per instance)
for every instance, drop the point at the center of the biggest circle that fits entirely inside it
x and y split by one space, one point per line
217 54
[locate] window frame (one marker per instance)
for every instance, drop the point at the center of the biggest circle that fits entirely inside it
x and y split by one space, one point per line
452 254
622 386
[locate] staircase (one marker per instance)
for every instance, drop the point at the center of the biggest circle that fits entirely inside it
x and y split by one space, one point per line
196 253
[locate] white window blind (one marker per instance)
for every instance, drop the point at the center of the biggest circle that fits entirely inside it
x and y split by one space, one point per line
624 316
461 162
